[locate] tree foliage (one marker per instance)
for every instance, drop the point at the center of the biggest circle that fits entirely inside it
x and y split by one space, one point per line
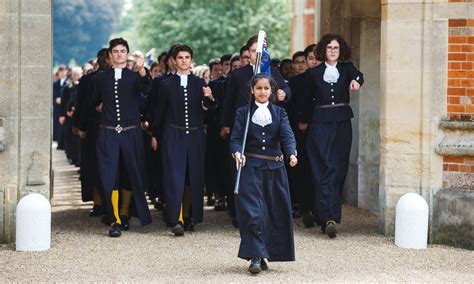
211 27
82 27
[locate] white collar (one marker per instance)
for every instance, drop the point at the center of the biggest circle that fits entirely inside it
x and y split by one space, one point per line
117 73
331 74
183 79
262 105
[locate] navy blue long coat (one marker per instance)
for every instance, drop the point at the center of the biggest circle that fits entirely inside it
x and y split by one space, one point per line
84 119
179 128
121 109
329 135
263 204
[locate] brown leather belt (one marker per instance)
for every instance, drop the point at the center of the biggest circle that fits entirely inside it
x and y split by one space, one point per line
331 105
119 128
263 157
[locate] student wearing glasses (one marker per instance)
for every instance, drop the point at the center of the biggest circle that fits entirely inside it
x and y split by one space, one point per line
326 116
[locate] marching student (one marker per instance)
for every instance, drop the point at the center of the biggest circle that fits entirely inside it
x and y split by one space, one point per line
263 203
178 130
118 93
329 134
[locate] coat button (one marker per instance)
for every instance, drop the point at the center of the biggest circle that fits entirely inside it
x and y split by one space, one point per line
185 99
263 133
115 91
118 114
263 148
332 103
116 82
185 103
117 106
118 118
332 97
187 132
332 90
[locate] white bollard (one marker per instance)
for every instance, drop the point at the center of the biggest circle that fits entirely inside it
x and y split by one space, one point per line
33 223
411 222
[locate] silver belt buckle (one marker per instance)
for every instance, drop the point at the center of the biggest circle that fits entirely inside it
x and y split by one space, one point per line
279 158
118 129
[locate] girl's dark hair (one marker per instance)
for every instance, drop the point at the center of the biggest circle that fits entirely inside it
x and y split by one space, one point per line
273 84
344 49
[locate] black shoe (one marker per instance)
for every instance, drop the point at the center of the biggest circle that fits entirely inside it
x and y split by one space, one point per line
95 211
308 220
188 225
255 265
178 230
331 229
125 222
115 232
264 265
220 205
323 228
106 220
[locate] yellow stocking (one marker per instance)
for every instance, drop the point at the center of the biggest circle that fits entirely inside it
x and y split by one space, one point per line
126 199
115 202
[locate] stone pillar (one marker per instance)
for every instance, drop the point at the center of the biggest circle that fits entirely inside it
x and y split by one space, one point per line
413 90
25 105
365 162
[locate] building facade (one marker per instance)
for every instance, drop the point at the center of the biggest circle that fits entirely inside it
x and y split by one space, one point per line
413 130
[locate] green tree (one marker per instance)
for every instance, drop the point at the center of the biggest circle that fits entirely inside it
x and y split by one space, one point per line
211 27
81 27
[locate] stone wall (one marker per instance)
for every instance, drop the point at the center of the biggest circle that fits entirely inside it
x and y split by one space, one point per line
25 105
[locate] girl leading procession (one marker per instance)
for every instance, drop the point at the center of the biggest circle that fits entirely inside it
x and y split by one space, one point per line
263 204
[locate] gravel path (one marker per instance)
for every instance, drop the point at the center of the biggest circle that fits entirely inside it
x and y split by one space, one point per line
81 251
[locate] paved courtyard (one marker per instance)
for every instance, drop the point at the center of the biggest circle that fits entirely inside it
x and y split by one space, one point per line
81 250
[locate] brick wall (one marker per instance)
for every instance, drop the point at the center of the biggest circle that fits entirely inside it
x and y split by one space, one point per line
458 171
461 69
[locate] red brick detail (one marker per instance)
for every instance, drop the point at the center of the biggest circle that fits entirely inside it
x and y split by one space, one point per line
460 69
